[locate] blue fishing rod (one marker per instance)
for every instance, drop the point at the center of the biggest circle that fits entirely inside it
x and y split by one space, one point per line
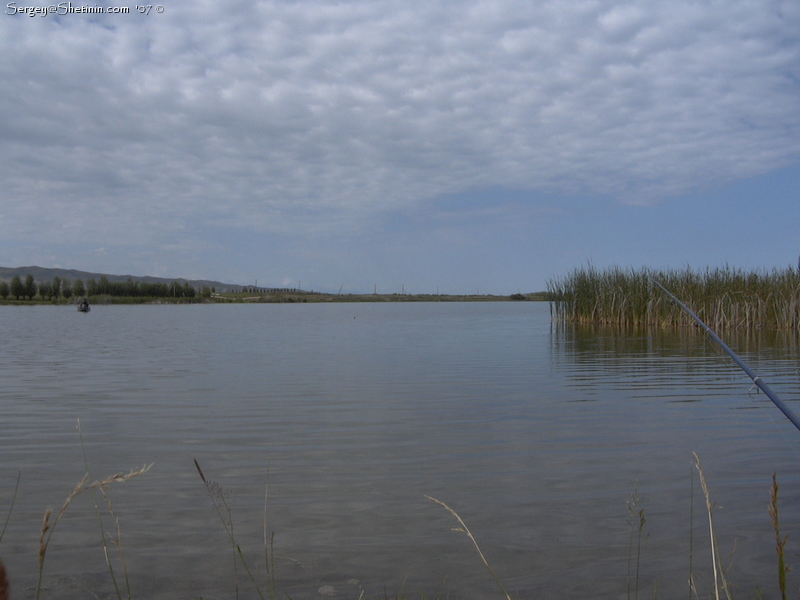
756 379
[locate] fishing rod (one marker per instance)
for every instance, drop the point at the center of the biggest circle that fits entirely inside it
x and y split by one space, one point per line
756 379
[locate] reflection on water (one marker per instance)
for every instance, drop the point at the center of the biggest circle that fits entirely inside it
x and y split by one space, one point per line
685 364
535 433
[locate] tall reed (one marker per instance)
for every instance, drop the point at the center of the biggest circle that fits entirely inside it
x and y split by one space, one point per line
722 297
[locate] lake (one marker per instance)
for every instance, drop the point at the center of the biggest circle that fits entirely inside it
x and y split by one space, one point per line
536 434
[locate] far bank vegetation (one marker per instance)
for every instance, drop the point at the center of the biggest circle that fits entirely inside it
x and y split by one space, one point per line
25 290
64 290
724 298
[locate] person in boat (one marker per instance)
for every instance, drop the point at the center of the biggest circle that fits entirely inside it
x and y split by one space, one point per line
84 304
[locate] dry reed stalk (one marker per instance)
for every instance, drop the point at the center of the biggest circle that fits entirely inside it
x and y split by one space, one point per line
635 516
48 527
780 542
710 524
719 573
464 529
10 508
269 548
219 500
691 533
117 542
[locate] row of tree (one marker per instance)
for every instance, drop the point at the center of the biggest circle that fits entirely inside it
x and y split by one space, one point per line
62 288
139 289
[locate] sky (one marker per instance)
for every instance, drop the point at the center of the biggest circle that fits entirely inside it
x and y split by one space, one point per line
483 146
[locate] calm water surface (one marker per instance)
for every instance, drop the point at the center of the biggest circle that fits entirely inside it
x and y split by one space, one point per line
537 435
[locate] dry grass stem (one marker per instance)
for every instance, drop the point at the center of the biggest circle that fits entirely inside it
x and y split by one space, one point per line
116 541
691 533
48 526
464 529
709 507
719 573
101 527
219 498
11 507
269 548
637 525
780 542
693 588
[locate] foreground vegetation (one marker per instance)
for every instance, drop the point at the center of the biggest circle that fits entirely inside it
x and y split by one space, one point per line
724 298
262 579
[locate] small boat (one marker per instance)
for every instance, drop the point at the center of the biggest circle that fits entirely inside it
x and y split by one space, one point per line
84 306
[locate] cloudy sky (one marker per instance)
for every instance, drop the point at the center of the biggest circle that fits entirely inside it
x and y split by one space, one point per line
466 145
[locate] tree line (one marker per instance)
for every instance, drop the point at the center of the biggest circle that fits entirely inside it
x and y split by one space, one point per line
28 289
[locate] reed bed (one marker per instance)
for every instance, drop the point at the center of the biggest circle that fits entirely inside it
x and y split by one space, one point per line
724 298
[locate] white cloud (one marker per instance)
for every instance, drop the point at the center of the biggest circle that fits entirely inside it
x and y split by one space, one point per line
290 116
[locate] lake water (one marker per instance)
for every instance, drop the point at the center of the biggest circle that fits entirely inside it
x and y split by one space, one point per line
536 435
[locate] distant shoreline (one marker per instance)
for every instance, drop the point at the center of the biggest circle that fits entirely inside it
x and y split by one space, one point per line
282 298
52 286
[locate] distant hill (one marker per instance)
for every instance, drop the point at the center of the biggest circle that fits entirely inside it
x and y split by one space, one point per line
41 274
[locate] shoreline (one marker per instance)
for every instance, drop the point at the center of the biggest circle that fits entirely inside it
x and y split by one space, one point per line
283 298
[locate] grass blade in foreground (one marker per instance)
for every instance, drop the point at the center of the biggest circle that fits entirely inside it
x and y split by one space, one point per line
10 508
750 373
218 498
780 542
464 529
48 526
